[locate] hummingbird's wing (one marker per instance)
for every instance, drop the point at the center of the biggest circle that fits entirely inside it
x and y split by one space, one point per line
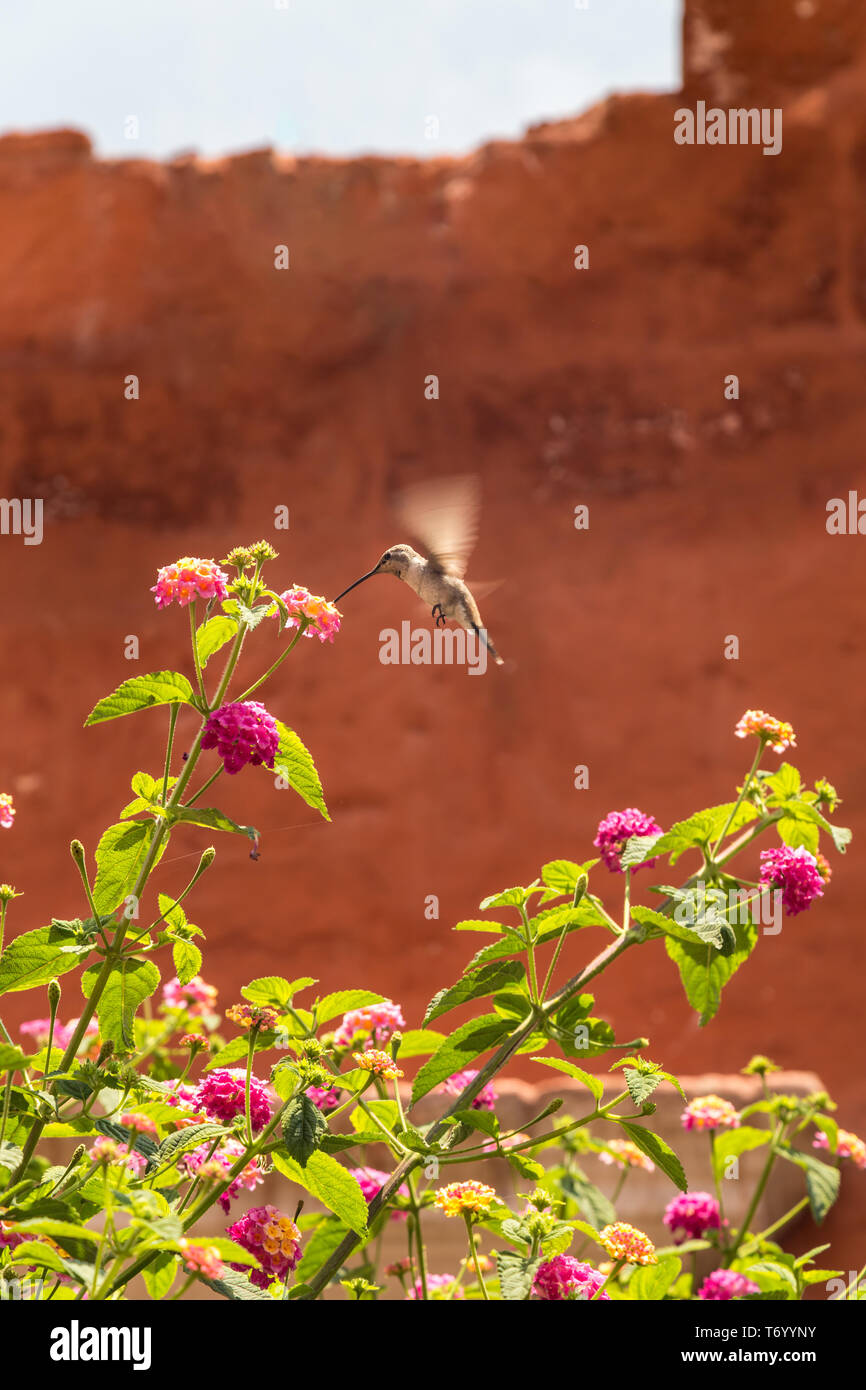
443 513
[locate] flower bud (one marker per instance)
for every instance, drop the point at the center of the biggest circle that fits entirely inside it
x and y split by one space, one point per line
53 995
76 849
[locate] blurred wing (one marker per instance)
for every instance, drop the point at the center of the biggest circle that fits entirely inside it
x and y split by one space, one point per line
443 513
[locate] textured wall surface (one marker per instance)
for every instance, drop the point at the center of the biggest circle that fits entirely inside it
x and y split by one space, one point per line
560 387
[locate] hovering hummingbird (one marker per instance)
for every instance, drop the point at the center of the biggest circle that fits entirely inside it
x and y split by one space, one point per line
443 514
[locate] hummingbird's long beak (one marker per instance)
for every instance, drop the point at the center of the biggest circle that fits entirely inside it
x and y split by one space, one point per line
373 571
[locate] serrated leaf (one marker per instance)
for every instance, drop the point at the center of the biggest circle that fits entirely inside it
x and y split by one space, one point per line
160 1274
822 1180
238 1049
343 1001
487 980
734 1142
331 1183
327 1237
171 1149
128 985
476 924
304 1127
591 1201
651 1282
37 1252
419 1042
212 635
704 972
143 692
594 1084
120 855
516 1275
641 1084
36 957
510 897
12 1058
660 1152
213 819
561 875
58 1230
187 960
274 990
237 1287
296 765
10 1156
459 1048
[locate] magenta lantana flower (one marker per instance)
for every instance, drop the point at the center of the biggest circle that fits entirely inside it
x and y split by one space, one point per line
325 1097
38 1029
221 1095
847 1146
242 733
709 1112
456 1085
563 1277
7 811
438 1287
796 872
325 617
273 1238
690 1215
196 997
616 829
379 1020
216 1169
726 1283
188 579
371 1181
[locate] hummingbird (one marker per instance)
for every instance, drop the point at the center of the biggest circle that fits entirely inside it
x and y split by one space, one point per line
443 514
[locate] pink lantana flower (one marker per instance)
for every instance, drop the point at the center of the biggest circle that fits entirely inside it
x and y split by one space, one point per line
796 872
7 811
774 732
723 1284
325 617
202 1259
221 1094
242 733
196 997
380 1021
188 579
709 1112
371 1181
216 1169
616 829
273 1238
438 1288
38 1029
456 1085
690 1215
563 1277
847 1146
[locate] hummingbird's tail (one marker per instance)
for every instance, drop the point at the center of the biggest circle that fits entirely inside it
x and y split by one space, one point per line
482 633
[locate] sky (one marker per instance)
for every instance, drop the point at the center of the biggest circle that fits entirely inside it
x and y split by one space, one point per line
343 77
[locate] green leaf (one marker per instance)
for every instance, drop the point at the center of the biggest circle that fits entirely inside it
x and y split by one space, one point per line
476 924
487 980
304 1127
511 897
591 1201
36 1252
331 1183
238 1049
213 819
129 984
159 1275
704 972
651 1282
516 1275
274 990
470 1040
699 830
822 1180
801 811
148 794
12 1058
142 692
593 1083
237 1287
212 635
641 1084
58 1230
561 875
296 765
528 1168
36 957
327 1237
171 1149
661 1153
419 1042
344 1000
187 960
119 857
785 782
734 1142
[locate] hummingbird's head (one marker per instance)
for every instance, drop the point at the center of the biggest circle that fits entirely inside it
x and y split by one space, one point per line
396 560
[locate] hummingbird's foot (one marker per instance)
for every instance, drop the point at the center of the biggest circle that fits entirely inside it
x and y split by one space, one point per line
436 612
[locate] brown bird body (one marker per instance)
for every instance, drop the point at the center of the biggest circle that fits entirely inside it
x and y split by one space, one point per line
444 514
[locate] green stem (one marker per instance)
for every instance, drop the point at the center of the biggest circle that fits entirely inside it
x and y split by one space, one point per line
201 791
4 903
473 1250
758 1194
192 626
251 1048
304 623
739 801
7 1095
172 720
530 955
187 1197
853 1287
415 1220
782 1221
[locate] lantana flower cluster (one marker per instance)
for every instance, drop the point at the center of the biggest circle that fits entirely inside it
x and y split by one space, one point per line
617 828
709 1112
379 1020
242 733
273 1238
797 873
774 732
324 617
187 579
